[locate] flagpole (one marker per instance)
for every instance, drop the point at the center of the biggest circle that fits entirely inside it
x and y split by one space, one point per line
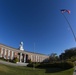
70 27
34 57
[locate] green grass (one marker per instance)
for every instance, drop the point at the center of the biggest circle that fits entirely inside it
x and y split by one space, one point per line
11 70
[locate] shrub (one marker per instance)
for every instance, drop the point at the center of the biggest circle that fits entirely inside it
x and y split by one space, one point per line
30 65
15 60
63 65
67 65
33 64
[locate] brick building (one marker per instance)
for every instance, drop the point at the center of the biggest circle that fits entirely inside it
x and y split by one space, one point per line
8 52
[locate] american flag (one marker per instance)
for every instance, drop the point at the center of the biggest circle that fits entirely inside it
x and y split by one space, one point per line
64 10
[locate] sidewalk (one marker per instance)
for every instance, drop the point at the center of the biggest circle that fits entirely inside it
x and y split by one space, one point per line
13 64
74 73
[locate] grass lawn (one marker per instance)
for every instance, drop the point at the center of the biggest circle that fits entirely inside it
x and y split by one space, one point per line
11 70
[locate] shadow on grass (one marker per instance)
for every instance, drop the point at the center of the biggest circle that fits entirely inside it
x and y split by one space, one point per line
53 70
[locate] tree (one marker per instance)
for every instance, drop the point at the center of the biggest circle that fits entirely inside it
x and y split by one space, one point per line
53 57
68 54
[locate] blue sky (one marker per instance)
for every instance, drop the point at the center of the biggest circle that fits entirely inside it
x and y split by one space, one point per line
39 22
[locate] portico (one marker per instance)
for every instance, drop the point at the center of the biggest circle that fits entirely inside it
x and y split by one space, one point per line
22 57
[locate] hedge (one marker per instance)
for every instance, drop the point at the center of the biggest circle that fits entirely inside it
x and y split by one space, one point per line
63 65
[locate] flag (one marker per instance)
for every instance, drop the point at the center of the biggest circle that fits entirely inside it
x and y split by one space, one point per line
64 10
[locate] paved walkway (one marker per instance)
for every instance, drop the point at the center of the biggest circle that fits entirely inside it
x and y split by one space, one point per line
74 73
13 64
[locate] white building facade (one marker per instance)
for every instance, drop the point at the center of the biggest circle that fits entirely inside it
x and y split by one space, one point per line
8 52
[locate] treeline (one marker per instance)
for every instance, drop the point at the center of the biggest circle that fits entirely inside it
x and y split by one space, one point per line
69 54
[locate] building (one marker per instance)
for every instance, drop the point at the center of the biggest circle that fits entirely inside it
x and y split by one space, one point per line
8 52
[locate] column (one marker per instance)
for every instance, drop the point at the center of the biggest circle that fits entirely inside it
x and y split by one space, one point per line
5 54
1 52
40 59
8 54
20 57
12 55
24 58
36 58
31 57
